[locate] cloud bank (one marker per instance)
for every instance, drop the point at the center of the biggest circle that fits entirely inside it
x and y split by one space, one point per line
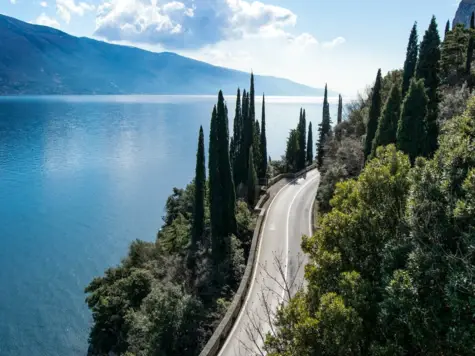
192 24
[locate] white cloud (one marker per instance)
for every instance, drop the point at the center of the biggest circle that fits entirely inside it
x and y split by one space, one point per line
336 42
45 20
13 2
192 24
65 8
44 4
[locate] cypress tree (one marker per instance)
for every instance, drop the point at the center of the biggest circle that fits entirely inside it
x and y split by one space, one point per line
411 60
374 112
411 129
256 145
472 21
292 151
428 68
340 110
200 190
468 65
302 128
387 125
251 180
323 129
252 105
447 27
236 139
244 140
263 142
310 144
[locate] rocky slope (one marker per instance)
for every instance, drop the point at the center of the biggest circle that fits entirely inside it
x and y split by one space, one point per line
464 12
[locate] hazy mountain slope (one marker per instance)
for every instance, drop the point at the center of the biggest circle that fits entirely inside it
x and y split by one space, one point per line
41 60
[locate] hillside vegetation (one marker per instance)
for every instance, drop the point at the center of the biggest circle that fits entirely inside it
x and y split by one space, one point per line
392 263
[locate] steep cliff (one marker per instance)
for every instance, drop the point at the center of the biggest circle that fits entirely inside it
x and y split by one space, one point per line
464 12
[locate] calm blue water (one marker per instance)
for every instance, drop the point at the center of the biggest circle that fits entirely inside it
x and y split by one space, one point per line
81 177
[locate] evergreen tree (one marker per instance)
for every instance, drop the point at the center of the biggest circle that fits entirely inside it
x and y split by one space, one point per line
324 129
256 145
411 60
340 109
292 151
200 192
411 131
236 139
472 21
310 144
252 105
245 140
374 113
468 65
387 125
428 68
447 28
263 142
251 180
302 128
221 185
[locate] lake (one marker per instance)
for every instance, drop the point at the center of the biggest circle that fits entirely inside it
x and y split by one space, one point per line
80 178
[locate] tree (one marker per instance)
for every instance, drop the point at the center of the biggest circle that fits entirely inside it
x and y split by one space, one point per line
263 142
236 139
310 144
256 145
374 113
340 109
251 181
411 131
447 28
292 151
468 65
387 125
411 60
428 68
302 128
200 193
323 129
472 21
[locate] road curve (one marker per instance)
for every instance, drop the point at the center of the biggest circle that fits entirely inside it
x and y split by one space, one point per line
288 218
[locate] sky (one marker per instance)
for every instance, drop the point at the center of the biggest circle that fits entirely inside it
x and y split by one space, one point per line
339 42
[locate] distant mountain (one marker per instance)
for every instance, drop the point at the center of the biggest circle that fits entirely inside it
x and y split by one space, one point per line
464 13
42 60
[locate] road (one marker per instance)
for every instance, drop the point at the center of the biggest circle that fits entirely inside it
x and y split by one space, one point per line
288 218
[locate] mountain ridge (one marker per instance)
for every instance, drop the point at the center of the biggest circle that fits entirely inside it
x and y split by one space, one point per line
36 60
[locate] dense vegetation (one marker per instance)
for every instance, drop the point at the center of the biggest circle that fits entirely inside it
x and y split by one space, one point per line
166 297
392 264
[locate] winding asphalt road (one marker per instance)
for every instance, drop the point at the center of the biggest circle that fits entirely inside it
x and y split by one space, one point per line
288 218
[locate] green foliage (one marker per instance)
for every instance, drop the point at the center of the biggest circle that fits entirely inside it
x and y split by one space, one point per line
391 267
324 129
453 103
256 145
292 151
388 122
411 131
252 181
263 142
411 60
200 194
236 141
453 61
447 28
302 152
428 69
374 113
309 157
340 110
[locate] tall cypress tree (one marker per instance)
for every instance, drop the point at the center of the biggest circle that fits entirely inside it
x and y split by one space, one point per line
374 112
252 105
323 129
468 64
310 144
256 145
340 109
302 128
263 142
428 68
292 151
236 139
387 125
411 60
244 140
411 129
251 180
447 28
472 21
200 191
